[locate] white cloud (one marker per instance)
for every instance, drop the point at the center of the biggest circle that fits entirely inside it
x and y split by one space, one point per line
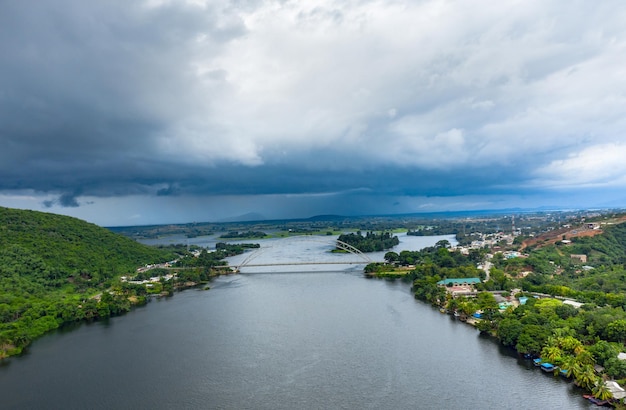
597 166
521 78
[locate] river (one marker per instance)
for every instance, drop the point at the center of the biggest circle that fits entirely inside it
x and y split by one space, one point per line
284 339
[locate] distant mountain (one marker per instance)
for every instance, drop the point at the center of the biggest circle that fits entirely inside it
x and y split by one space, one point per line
318 218
249 217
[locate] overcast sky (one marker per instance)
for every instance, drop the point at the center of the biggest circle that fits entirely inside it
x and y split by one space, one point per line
139 112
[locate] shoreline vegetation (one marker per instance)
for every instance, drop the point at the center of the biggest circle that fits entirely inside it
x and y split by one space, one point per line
122 295
57 270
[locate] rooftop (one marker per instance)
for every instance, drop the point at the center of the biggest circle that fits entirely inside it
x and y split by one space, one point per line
458 281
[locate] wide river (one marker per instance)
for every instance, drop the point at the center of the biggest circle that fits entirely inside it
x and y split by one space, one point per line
299 337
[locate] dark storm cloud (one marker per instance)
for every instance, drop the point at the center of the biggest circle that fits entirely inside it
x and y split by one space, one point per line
168 191
66 200
176 98
86 87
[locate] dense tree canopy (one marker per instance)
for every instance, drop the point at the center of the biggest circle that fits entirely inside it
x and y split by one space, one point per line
56 269
371 242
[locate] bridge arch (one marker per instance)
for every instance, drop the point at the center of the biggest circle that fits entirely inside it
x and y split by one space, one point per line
364 259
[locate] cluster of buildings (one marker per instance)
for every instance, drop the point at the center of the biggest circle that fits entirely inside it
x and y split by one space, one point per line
492 240
165 265
148 282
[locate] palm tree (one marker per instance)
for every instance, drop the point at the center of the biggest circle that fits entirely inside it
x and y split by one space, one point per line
601 391
563 332
552 341
586 377
585 357
551 353
574 369
568 363
571 344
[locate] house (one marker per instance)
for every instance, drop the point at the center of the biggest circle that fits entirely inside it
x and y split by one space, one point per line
578 258
572 303
459 286
458 281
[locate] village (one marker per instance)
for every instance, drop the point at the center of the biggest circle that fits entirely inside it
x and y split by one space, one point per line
502 246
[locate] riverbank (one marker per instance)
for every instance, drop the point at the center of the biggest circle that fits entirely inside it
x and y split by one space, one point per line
555 352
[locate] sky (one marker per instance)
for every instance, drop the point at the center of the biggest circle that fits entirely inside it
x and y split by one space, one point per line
143 112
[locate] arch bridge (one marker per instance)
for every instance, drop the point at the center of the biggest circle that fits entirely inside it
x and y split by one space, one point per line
363 258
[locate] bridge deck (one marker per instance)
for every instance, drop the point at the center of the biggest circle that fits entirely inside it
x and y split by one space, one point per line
251 265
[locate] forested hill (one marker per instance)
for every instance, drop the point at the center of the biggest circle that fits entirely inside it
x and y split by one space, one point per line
69 246
55 269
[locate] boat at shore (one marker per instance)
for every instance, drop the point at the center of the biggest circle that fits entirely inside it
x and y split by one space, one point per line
595 401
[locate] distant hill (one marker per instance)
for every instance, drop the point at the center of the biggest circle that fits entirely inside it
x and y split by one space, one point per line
330 218
249 217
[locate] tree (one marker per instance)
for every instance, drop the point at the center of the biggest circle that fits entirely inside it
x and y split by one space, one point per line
498 279
565 311
372 242
601 391
453 304
407 258
509 330
603 351
552 354
391 257
570 365
476 255
532 339
485 326
468 307
571 345
585 376
616 331
615 368
486 300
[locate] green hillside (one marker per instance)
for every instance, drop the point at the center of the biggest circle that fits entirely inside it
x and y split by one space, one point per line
601 279
54 269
